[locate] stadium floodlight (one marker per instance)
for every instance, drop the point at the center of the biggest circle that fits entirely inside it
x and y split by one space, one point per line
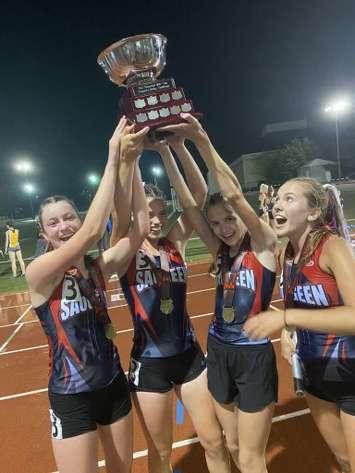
23 166
157 171
336 108
93 179
29 188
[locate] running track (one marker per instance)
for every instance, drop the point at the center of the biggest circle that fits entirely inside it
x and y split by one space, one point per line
294 446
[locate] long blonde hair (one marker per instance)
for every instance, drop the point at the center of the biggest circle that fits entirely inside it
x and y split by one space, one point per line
326 199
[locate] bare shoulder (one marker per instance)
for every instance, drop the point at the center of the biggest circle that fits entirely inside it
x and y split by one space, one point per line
336 243
40 290
336 250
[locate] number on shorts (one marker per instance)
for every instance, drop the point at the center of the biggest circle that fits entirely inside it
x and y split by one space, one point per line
57 432
134 369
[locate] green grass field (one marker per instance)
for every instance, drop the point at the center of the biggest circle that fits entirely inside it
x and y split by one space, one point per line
196 250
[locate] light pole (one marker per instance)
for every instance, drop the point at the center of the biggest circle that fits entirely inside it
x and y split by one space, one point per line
156 171
30 190
24 166
336 108
93 180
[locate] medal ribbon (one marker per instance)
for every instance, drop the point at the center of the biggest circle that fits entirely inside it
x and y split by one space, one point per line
230 280
162 274
289 278
229 277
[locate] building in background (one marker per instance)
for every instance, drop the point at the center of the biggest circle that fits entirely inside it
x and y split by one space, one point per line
277 135
319 169
251 169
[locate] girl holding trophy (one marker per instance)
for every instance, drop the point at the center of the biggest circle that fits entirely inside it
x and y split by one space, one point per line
166 356
242 375
88 391
319 273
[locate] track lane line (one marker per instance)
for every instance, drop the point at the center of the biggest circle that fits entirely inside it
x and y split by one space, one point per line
10 337
193 440
29 393
37 347
110 308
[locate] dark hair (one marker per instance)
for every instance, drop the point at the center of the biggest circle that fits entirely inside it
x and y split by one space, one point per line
331 217
10 224
52 200
214 199
153 191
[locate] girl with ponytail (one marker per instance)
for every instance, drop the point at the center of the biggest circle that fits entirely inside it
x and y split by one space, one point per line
319 281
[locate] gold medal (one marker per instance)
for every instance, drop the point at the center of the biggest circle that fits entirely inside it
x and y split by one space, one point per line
166 306
110 331
228 314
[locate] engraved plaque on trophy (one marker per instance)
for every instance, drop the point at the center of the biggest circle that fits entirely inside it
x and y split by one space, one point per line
136 63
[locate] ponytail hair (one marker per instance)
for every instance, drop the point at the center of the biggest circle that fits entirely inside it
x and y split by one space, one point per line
334 217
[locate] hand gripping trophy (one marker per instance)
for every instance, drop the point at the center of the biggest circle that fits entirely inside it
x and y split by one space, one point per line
136 63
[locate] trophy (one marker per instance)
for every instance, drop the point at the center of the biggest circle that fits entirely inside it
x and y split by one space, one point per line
136 63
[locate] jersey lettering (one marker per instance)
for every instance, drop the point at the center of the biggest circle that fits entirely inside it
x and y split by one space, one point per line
141 261
144 279
70 290
72 302
312 294
178 274
245 278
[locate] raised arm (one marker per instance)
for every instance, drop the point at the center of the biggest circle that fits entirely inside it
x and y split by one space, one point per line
121 214
195 181
193 217
261 234
51 266
118 257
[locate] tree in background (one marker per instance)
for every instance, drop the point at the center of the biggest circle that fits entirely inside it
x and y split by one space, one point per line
291 158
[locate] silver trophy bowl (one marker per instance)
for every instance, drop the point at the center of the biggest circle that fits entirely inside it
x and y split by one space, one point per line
134 58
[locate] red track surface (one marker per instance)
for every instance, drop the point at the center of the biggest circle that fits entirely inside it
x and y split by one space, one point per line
295 445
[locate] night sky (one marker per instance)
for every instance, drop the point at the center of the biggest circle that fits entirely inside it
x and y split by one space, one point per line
244 64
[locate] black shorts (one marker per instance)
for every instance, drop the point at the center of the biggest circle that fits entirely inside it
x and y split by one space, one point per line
162 374
341 393
244 374
75 414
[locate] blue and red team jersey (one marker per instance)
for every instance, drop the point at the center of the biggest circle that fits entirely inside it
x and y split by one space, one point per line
325 356
253 291
81 357
157 335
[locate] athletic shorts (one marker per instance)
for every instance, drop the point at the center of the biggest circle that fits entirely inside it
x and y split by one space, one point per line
242 374
162 374
14 248
75 414
341 393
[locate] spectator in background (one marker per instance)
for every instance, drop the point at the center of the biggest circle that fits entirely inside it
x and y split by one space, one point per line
263 197
12 247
